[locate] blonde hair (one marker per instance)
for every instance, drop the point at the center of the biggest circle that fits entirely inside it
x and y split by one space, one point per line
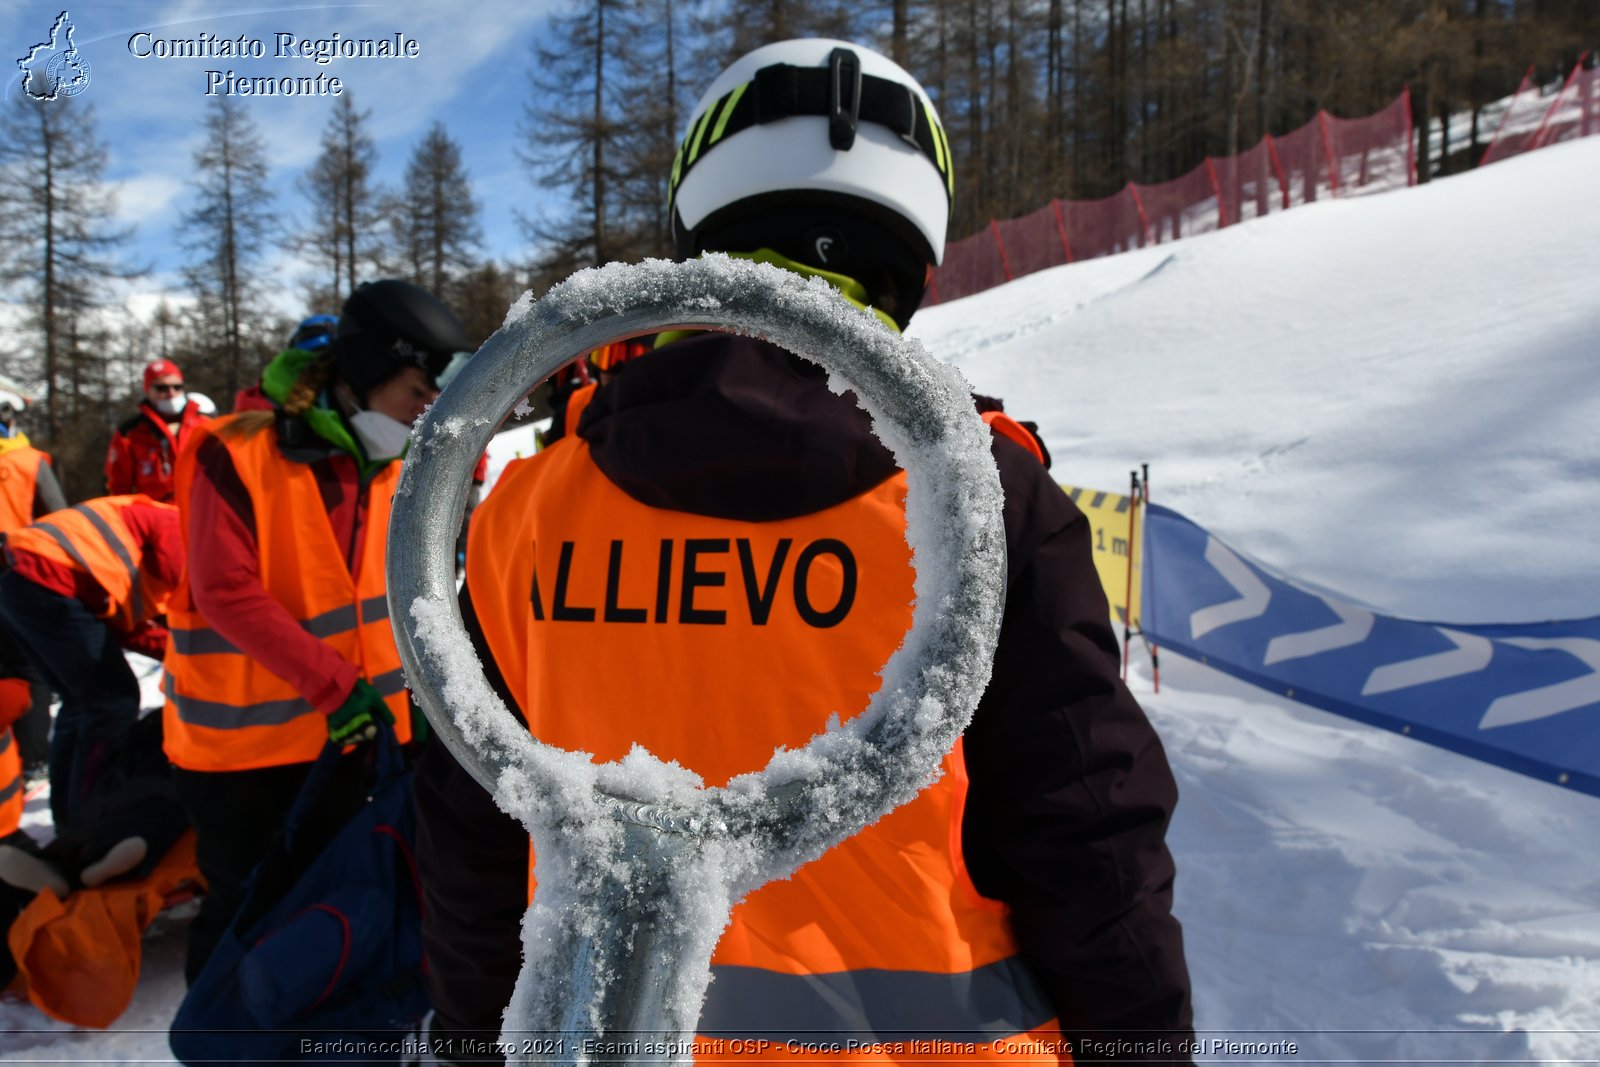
302 395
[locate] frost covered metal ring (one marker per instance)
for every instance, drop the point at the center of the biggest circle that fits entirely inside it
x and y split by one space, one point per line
638 864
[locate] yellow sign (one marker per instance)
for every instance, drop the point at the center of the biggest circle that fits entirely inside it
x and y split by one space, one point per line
1115 545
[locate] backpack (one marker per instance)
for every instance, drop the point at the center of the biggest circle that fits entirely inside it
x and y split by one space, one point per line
324 960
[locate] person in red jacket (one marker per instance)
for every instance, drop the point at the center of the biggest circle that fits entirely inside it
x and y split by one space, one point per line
1024 901
144 449
78 588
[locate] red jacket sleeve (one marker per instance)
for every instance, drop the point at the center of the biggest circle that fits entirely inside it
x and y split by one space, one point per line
225 581
149 638
119 465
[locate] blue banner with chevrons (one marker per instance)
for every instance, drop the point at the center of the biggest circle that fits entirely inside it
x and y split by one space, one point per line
1522 696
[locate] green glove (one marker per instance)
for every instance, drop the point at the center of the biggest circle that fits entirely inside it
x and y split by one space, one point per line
357 718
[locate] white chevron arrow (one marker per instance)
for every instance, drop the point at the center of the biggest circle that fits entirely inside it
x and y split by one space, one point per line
1549 700
1253 593
1352 628
1472 653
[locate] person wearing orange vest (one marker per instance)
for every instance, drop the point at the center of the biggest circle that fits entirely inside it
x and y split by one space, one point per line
144 449
280 629
734 533
14 701
28 490
28 485
79 587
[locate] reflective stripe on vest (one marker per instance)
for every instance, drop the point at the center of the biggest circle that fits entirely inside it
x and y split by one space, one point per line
225 711
12 799
1000 999
93 538
202 641
217 716
740 637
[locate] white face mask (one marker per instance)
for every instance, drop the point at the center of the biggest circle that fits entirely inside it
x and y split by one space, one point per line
381 437
171 404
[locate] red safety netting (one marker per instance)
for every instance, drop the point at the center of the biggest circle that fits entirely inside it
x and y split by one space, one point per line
1102 227
1034 241
1533 120
1252 184
1303 158
1326 157
1519 119
1182 207
1373 153
1576 112
970 266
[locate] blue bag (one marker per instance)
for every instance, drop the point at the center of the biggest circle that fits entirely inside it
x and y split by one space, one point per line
324 963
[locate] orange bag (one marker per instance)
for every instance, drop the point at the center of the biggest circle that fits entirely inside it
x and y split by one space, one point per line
80 957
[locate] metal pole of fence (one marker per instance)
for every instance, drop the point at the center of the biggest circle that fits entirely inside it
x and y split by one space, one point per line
622 870
1539 134
1155 652
1145 236
1127 596
1000 244
1488 153
1327 150
1277 167
1216 189
1061 229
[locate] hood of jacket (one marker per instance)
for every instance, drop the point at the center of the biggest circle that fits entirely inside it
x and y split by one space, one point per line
16 441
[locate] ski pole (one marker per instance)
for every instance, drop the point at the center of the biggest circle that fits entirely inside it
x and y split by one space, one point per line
1155 653
1127 596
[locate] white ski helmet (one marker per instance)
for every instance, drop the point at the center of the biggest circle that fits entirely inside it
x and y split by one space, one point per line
815 122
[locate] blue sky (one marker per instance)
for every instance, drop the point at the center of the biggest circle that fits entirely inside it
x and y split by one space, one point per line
470 72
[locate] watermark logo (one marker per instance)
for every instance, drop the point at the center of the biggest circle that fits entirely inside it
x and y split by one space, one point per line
55 68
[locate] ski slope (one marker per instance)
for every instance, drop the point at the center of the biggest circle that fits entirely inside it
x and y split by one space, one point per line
1394 398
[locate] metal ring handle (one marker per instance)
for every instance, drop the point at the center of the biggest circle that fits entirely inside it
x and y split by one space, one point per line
807 799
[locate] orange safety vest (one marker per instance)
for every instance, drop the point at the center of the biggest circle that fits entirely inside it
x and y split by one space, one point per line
92 537
11 792
19 481
226 712
733 638
576 403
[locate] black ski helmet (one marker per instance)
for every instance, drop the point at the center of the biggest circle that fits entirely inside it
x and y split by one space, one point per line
389 325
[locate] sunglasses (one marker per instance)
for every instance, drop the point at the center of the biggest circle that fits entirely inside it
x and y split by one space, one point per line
161 387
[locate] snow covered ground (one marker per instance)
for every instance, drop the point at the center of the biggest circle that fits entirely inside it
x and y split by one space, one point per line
1394 398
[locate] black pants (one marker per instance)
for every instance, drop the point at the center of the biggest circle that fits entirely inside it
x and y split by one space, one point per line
79 656
33 729
236 816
